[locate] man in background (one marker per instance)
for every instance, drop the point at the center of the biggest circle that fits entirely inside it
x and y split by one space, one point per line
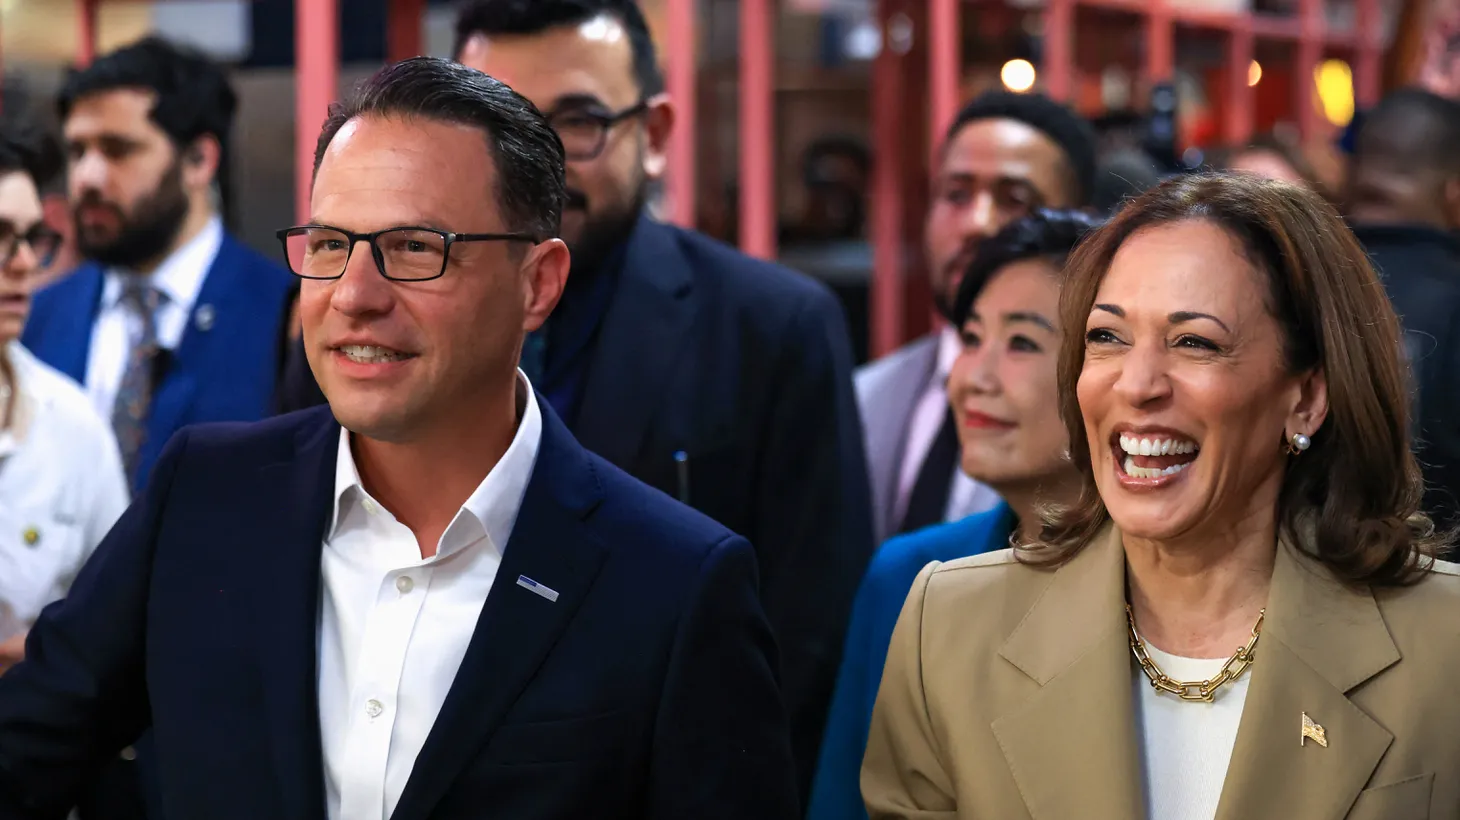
1403 200
172 321
722 380
1004 155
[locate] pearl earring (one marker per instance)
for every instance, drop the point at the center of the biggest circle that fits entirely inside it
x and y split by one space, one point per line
1298 443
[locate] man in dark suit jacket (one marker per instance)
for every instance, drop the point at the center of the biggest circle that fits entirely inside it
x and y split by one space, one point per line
172 321
1403 200
723 380
446 609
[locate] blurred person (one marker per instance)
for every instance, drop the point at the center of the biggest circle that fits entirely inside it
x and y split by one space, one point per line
1002 388
723 380
466 614
61 481
1403 201
1271 157
1123 175
1246 482
172 321
835 171
1004 156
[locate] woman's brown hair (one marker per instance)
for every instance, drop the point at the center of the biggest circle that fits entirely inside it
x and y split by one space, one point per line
1352 499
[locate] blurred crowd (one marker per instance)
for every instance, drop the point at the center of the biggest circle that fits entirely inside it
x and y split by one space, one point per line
726 382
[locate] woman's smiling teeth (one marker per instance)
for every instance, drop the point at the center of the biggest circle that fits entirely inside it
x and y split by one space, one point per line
1156 457
371 354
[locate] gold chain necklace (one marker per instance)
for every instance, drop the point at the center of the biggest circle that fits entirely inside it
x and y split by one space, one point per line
1204 691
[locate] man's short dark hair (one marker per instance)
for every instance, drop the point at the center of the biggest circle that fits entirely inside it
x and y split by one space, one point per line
526 153
1046 234
520 17
1071 132
194 96
32 152
1412 132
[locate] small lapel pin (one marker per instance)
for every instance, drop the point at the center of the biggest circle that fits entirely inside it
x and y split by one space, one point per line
1314 731
204 317
32 536
527 583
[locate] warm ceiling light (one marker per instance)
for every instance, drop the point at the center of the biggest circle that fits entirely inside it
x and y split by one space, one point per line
1018 75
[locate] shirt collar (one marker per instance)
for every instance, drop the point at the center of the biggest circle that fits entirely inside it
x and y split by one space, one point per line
950 344
495 502
21 365
180 276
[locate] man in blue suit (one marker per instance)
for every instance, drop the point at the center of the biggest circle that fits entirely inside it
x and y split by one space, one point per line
172 321
440 606
722 380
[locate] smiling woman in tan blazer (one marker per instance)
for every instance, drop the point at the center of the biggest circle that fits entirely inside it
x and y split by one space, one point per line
1237 407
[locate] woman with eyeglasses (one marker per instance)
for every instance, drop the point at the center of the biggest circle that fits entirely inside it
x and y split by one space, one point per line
1001 390
61 480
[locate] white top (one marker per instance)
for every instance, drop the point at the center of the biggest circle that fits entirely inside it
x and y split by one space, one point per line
394 627
61 489
965 495
117 327
1186 746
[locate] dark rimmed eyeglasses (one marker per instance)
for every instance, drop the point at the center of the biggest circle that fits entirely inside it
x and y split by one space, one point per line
584 131
404 254
41 239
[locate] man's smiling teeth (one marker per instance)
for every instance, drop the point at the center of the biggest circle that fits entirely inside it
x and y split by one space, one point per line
371 354
1156 446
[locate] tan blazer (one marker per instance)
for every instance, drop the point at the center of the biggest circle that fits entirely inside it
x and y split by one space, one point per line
1008 693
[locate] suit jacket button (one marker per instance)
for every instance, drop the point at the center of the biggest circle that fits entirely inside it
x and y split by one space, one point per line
129 754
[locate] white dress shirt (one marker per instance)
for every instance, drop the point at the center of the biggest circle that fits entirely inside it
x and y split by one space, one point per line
61 489
1186 746
117 327
965 495
394 627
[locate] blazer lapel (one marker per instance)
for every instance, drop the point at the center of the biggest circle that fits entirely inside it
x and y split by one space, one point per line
296 495
638 345
78 299
1320 641
518 627
202 345
1073 643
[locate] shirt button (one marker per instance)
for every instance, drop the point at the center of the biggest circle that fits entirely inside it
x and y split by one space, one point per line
405 584
373 708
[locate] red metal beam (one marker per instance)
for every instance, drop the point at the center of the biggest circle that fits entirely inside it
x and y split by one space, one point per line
403 30
757 129
85 32
682 58
1059 49
1241 98
1159 65
1369 67
945 67
1310 51
316 79
887 293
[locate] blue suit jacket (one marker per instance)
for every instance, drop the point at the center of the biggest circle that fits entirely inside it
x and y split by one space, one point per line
746 368
223 372
836 793
647 690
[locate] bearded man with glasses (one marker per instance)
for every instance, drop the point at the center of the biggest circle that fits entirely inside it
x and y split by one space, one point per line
723 380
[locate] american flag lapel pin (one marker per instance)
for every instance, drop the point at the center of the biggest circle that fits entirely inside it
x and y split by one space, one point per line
529 584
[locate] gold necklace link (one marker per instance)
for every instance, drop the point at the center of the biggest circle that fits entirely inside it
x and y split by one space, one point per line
1204 691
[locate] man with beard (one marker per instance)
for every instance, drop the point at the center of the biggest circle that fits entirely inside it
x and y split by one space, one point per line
171 321
1005 155
719 379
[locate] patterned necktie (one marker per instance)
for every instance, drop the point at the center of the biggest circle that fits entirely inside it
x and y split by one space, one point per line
129 414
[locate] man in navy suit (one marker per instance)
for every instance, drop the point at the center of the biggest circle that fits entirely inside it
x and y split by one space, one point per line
722 380
172 321
440 605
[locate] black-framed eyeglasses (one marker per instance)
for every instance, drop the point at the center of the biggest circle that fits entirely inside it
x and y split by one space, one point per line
584 131
404 254
42 240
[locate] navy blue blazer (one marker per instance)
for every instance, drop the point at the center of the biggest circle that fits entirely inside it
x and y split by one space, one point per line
746 368
226 367
647 690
